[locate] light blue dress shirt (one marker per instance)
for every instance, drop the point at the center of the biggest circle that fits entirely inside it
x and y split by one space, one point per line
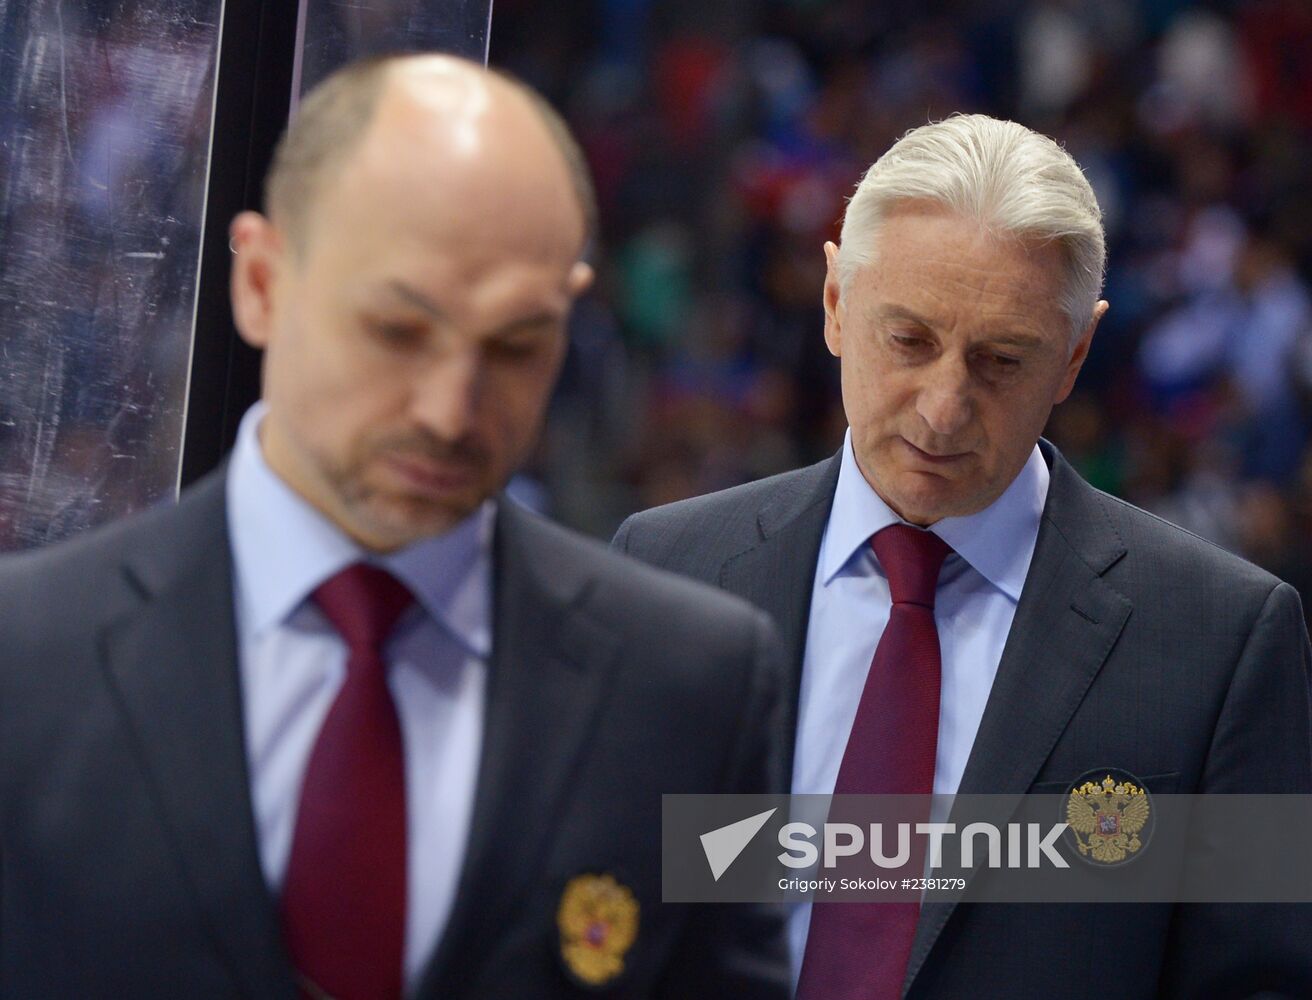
292 663
978 589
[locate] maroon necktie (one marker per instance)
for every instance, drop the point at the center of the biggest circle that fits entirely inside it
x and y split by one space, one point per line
859 951
344 899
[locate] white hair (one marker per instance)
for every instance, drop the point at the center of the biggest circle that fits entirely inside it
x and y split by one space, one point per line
1013 181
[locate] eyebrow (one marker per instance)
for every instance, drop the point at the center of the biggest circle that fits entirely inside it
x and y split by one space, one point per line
527 323
420 301
417 299
1007 337
1026 340
899 312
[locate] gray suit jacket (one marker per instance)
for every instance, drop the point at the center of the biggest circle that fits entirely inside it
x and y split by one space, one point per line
128 857
1135 645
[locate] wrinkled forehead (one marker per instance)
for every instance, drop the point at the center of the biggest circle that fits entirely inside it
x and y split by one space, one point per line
951 270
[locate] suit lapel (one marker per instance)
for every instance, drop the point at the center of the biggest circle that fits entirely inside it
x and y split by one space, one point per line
172 664
1066 623
550 666
777 574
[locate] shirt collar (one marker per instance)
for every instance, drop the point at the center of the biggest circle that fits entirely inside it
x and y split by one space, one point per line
283 548
998 541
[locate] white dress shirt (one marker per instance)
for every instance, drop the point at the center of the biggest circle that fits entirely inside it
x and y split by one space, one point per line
978 589
292 663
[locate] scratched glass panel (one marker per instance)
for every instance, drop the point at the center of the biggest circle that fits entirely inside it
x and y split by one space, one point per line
105 117
336 31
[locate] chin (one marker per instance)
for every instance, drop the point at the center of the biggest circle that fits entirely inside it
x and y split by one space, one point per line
397 524
418 527
916 507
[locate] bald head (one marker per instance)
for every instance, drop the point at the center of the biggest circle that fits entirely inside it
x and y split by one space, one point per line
433 118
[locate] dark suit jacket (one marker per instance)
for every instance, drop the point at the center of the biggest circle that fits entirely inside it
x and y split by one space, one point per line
128 857
1135 645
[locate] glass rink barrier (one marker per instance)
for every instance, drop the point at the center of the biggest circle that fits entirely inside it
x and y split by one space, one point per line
105 112
106 120
334 32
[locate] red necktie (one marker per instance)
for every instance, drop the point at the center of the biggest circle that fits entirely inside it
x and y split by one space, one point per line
859 951
344 899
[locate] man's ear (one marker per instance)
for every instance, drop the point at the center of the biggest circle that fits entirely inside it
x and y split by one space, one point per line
259 255
832 303
580 278
1080 352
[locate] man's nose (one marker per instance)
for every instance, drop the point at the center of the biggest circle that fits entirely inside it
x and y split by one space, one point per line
944 401
446 395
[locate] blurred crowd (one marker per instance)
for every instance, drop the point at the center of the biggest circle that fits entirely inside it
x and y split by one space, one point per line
726 139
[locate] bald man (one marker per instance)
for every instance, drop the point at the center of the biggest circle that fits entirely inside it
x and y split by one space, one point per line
345 722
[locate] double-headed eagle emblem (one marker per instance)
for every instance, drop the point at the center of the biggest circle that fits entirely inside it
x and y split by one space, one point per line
1107 818
598 923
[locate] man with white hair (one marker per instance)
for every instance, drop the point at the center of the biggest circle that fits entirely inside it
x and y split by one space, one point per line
963 613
